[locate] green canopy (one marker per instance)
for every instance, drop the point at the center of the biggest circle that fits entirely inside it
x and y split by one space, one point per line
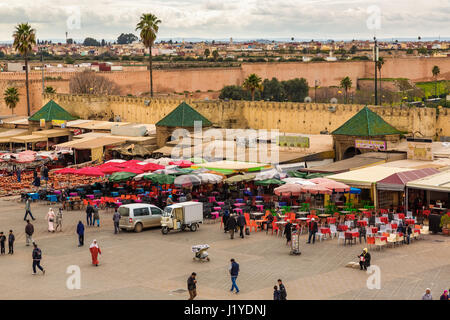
52 111
184 170
197 160
240 178
297 174
317 175
223 171
160 178
121 176
183 116
269 182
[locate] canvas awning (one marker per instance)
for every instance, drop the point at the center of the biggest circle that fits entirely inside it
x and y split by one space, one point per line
52 133
232 165
438 182
28 139
89 143
398 181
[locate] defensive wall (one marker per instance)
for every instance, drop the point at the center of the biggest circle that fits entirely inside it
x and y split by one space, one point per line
306 118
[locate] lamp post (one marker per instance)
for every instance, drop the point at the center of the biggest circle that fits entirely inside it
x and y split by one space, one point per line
316 85
42 68
375 59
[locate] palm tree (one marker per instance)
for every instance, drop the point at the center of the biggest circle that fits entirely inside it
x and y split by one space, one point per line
380 63
346 83
252 83
24 39
148 25
436 71
11 97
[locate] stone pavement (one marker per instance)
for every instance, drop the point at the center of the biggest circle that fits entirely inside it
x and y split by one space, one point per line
150 265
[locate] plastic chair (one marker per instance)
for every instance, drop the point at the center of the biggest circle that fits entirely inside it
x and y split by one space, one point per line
370 241
275 227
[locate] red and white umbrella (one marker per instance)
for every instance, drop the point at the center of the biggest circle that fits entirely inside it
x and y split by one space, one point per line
331 184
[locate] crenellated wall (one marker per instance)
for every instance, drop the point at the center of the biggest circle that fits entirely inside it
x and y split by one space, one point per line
289 117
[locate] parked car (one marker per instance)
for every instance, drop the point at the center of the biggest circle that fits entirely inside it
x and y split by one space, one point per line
137 216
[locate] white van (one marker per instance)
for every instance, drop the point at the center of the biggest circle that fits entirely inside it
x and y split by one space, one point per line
137 216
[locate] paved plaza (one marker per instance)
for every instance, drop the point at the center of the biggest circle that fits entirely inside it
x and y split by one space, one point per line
149 265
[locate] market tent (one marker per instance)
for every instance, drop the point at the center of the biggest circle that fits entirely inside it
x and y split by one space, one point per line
53 133
121 176
296 174
364 178
233 165
240 178
298 181
316 189
289 189
52 111
160 178
110 169
270 174
66 171
28 138
438 182
152 167
182 163
269 182
132 170
210 178
397 181
90 171
331 184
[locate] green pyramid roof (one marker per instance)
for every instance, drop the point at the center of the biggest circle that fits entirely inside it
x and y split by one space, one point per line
52 111
366 123
183 116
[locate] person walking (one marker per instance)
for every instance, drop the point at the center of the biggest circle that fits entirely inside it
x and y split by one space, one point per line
241 222
29 230
89 211
283 293
95 251
225 217
11 239
96 216
50 220
234 272
37 256
427 295
231 225
58 220
408 232
18 173
2 243
364 259
312 230
116 219
192 286
28 210
276 293
288 232
80 232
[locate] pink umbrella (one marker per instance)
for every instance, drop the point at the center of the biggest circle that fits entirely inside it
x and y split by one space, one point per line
182 163
90 171
332 185
316 189
289 189
66 171
151 167
110 169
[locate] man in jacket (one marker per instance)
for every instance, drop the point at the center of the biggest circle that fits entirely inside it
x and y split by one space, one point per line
29 230
89 211
283 293
11 239
364 259
116 219
192 286
80 232
241 223
2 243
37 256
231 225
234 272
28 210
225 217
312 230
408 232
96 216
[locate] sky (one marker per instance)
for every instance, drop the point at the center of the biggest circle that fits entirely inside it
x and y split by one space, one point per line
237 19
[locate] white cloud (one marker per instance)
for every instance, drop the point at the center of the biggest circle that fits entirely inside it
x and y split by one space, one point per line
231 18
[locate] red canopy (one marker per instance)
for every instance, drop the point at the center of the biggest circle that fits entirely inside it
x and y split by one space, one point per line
66 171
132 170
152 167
182 163
90 171
110 169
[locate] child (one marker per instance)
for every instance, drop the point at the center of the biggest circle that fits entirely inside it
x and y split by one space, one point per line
276 293
11 239
2 243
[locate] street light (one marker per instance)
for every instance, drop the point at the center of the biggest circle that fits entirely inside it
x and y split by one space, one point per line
375 59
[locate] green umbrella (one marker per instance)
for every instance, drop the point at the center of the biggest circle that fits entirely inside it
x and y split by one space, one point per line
197 160
121 176
160 178
297 174
184 170
240 178
269 182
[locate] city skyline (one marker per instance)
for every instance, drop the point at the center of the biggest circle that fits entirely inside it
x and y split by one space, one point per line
207 19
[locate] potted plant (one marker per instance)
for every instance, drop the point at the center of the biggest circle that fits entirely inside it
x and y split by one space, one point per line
445 224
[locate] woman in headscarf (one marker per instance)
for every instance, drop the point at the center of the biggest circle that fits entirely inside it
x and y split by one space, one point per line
364 259
50 219
95 250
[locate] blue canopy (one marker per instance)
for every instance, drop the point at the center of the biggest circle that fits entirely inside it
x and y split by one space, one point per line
355 190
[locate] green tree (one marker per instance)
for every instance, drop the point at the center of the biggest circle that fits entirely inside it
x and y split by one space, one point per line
149 26
233 93
49 89
273 90
346 84
353 49
252 83
207 53
380 63
69 60
91 42
11 97
436 71
296 90
215 55
126 38
24 40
